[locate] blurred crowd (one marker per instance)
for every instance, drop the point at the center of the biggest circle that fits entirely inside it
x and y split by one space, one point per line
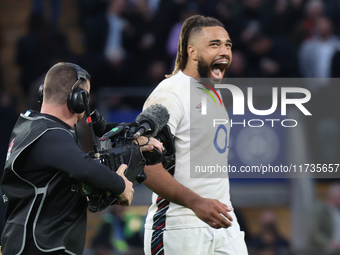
281 38
133 43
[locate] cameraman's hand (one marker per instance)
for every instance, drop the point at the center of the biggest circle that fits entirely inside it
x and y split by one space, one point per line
153 143
126 197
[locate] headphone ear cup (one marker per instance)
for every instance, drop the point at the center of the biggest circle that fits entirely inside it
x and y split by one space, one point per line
40 94
75 101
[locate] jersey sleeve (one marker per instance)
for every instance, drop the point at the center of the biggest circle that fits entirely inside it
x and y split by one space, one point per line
58 150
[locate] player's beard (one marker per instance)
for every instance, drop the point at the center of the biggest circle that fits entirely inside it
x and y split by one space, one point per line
204 69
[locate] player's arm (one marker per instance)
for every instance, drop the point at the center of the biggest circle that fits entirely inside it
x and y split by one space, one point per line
208 210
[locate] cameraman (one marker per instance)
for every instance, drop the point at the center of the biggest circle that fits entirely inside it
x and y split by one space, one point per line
45 168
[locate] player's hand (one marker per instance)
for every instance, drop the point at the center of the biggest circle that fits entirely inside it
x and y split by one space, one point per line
213 212
126 197
153 143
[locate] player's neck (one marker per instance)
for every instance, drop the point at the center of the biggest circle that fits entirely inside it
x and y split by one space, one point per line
191 71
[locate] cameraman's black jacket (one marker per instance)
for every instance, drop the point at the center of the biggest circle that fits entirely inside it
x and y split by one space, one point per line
57 210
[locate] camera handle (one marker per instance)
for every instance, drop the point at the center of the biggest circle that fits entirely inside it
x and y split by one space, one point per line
89 121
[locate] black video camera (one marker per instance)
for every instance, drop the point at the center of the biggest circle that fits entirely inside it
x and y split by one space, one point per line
118 146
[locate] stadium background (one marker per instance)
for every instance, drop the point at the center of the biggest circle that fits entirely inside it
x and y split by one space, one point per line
270 39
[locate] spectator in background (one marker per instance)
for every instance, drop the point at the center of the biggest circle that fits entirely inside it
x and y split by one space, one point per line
252 17
40 49
314 10
272 56
268 240
169 13
156 72
141 42
324 231
267 251
121 232
226 11
55 7
323 128
308 13
175 32
141 18
315 54
332 9
1 49
284 15
106 56
335 72
8 117
32 50
157 43
114 50
171 46
138 39
239 68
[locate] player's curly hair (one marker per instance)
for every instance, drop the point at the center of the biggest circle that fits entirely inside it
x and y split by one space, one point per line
192 24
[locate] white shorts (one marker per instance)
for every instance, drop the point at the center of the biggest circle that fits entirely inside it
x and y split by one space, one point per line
196 241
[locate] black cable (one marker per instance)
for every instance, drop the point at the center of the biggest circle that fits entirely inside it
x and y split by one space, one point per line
89 120
144 144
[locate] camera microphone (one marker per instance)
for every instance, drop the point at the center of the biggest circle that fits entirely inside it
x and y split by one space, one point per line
152 120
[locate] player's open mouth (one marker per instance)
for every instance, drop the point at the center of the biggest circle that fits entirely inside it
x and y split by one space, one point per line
218 69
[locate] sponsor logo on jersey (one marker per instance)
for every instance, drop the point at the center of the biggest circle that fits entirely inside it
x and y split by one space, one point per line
209 93
199 107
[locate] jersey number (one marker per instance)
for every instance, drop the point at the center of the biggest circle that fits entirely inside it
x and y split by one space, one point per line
218 148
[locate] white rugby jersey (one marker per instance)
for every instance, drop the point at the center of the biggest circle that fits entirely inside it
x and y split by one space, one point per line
206 146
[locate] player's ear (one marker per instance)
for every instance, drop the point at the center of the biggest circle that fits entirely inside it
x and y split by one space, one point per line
192 52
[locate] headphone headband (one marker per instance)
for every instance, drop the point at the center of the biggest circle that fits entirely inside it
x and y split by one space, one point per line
81 73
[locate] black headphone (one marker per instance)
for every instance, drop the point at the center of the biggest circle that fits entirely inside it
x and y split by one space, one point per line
75 102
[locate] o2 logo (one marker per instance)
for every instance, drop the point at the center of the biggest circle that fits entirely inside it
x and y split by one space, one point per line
219 131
